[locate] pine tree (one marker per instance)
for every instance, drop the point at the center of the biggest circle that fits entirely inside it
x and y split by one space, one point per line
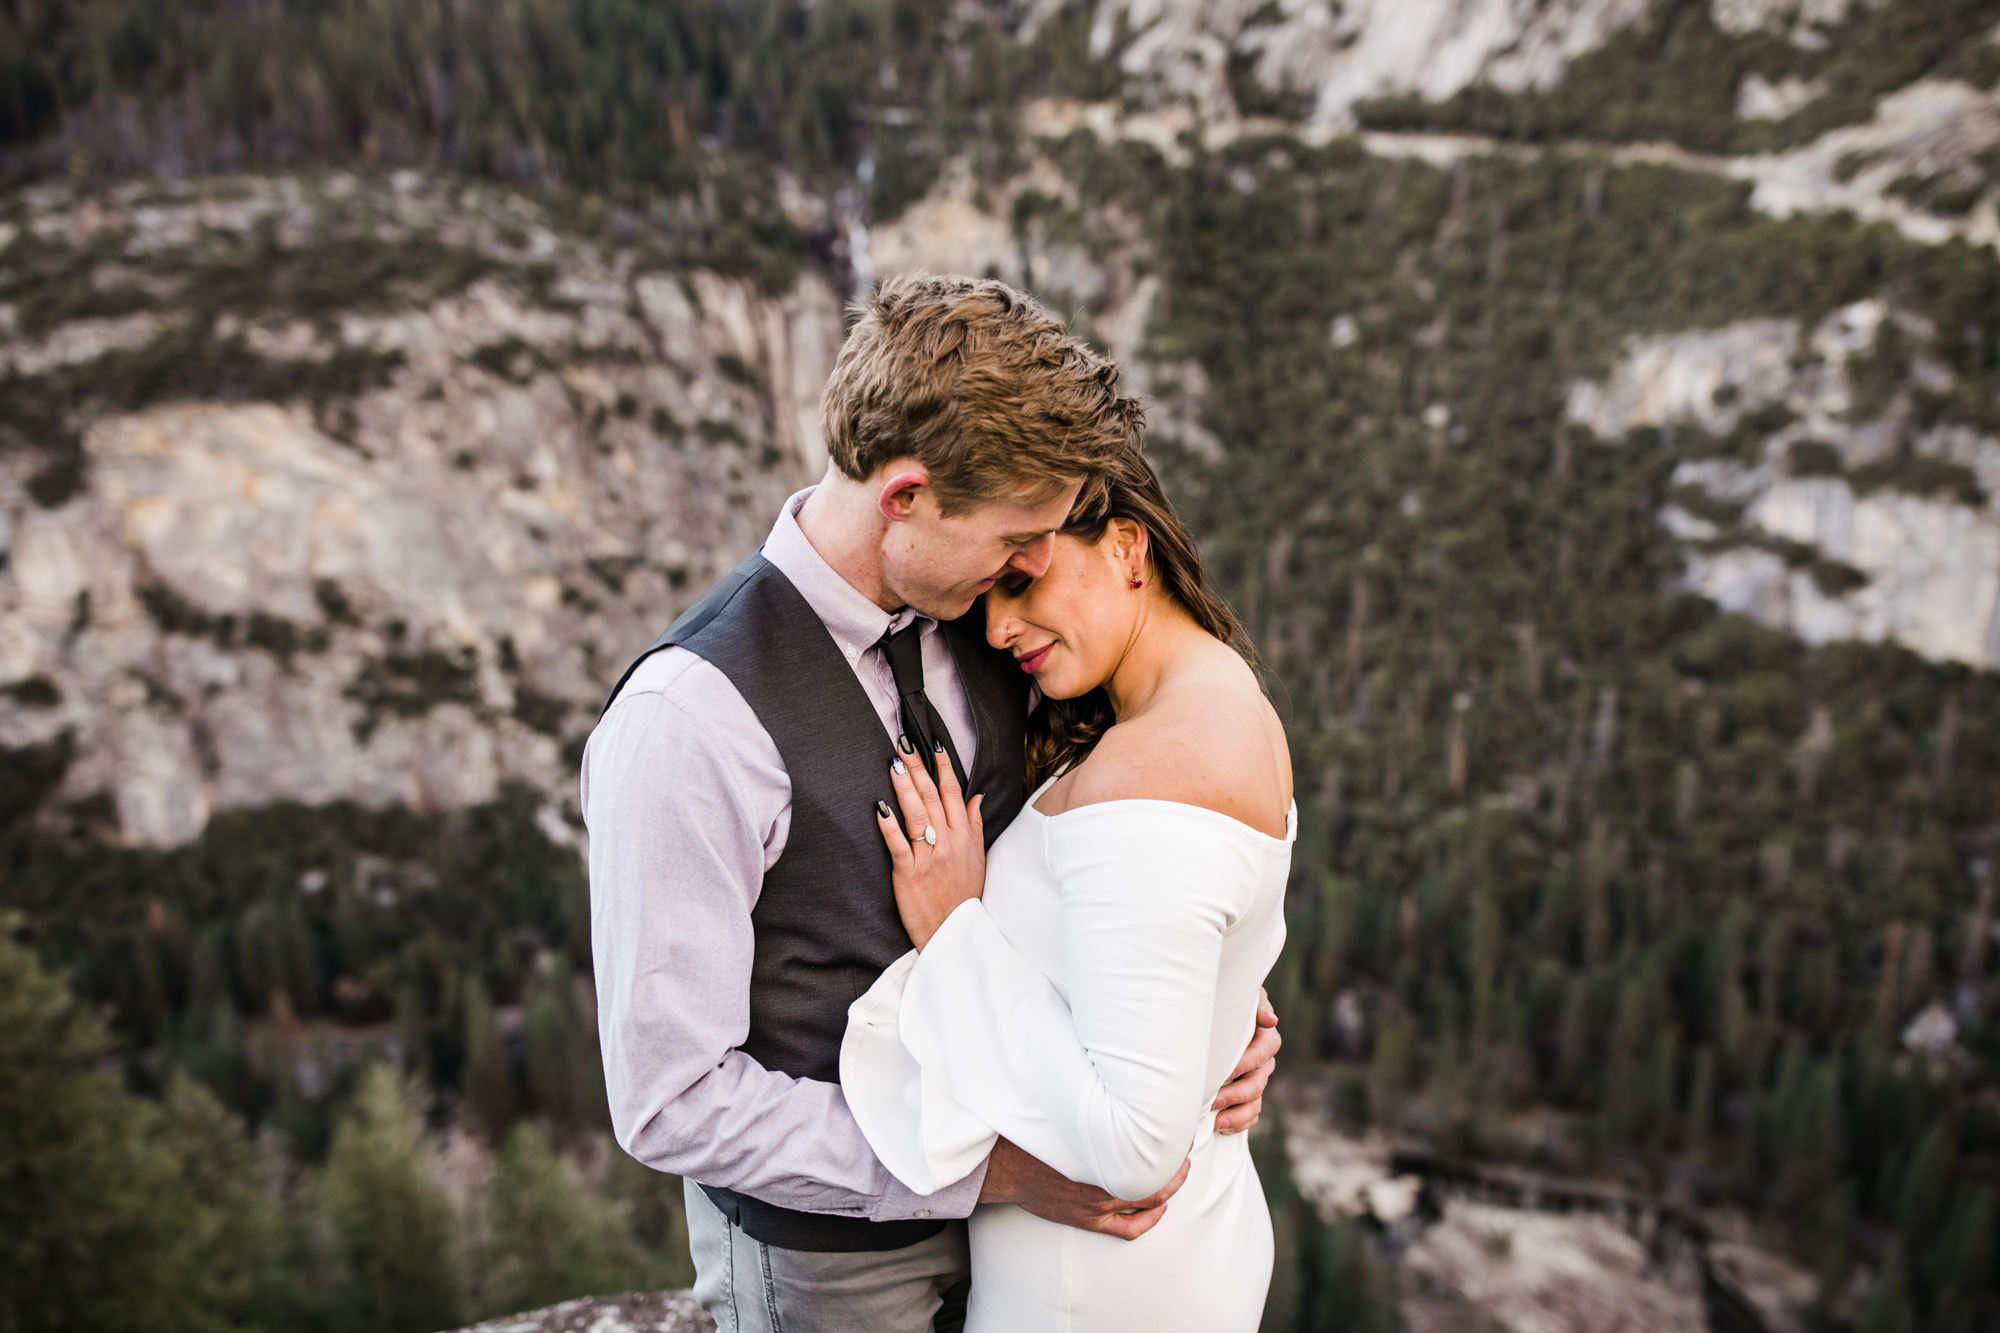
550 1237
244 1245
1350 1292
391 1226
1926 1185
1814 1141
1579 1044
488 1079
1488 943
92 1234
544 1035
1389 1069
1888 1308
1294 1228
1701 1100
1966 1258
654 1205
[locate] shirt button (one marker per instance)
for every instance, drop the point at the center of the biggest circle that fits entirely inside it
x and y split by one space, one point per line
921 1212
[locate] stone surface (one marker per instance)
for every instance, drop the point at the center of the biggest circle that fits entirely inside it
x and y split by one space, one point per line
637 1312
1932 563
1780 1293
1487 1248
1933 1032
1337 54
546 480
1797 17
1929 127
1759 98
1546 1273
564 498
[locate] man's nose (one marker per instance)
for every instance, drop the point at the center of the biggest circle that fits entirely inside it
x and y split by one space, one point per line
1033 560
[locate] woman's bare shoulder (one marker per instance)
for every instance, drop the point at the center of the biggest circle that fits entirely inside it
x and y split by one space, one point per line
1222 750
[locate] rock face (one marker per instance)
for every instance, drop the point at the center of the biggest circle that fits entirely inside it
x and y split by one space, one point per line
638 1312
1482 1266
1338 54
1933 129
1335 54
1501 1249
417 592
1796 17
1821 484
417 589
577 435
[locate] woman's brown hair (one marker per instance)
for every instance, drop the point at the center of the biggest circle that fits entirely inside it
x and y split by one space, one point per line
1063 731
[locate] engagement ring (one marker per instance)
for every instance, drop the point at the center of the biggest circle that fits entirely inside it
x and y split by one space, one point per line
930 835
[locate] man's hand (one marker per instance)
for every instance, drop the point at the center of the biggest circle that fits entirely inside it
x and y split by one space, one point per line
1241 1101
1014 1177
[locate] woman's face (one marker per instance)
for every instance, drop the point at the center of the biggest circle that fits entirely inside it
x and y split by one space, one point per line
1070 628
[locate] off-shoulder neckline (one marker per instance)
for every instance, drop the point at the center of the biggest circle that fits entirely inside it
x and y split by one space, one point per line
1291 812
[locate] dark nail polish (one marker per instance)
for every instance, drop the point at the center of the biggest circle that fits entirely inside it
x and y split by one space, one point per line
938 746
903 744
882 809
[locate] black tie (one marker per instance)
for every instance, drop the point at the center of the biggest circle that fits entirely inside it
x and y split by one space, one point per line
921 723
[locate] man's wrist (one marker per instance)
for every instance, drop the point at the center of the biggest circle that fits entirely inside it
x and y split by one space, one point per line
899 1203
1002 1168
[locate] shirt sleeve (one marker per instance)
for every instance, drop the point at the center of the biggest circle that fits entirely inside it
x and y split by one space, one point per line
1104 1078
688 803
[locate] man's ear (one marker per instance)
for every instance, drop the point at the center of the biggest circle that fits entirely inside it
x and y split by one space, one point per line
898 493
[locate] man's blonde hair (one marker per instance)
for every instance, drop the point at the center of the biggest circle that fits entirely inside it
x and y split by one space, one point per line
981 385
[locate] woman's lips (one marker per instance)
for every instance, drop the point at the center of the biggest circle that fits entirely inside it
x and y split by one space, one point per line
1032 662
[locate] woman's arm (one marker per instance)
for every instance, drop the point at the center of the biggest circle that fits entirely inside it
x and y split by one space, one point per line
1102 1079
1106 1084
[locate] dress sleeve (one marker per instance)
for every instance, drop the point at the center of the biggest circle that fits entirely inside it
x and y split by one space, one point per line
1103 1078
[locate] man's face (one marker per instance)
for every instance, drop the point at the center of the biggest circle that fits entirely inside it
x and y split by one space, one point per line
941 564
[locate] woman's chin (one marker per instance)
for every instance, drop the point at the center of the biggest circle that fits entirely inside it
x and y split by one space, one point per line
1055 685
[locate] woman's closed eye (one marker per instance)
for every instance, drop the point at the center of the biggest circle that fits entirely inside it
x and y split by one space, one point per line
1014 582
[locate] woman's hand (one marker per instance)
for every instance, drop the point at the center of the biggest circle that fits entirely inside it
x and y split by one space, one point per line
932 877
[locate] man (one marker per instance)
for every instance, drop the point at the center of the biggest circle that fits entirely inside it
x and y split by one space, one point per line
740 891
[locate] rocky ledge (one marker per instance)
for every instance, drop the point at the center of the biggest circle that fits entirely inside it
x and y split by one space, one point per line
634 1312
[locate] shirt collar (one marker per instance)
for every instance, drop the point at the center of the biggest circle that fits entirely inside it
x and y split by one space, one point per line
854 621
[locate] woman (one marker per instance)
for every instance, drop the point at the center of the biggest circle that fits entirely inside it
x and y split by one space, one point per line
1086 989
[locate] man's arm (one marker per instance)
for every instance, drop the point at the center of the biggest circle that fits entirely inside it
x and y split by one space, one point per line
1012 1176
688 803
1240 1104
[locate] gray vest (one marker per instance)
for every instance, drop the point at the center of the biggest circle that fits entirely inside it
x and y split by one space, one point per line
825 921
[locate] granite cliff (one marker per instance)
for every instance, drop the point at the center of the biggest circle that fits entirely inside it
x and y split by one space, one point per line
406 590
570 434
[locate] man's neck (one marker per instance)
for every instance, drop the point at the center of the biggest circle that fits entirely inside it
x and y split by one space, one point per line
841 522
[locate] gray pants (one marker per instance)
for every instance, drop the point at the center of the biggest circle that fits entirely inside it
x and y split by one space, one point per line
750 1287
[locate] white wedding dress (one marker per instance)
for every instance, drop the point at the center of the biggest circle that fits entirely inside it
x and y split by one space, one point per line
1088 1008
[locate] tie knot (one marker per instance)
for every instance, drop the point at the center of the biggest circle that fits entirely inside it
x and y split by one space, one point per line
905 650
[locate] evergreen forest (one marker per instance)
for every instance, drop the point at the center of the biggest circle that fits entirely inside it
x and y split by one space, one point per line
1619 885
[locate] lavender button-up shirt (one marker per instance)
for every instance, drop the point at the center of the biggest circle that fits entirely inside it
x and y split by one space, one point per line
688 804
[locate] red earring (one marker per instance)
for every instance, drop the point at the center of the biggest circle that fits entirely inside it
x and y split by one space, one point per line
1138 583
